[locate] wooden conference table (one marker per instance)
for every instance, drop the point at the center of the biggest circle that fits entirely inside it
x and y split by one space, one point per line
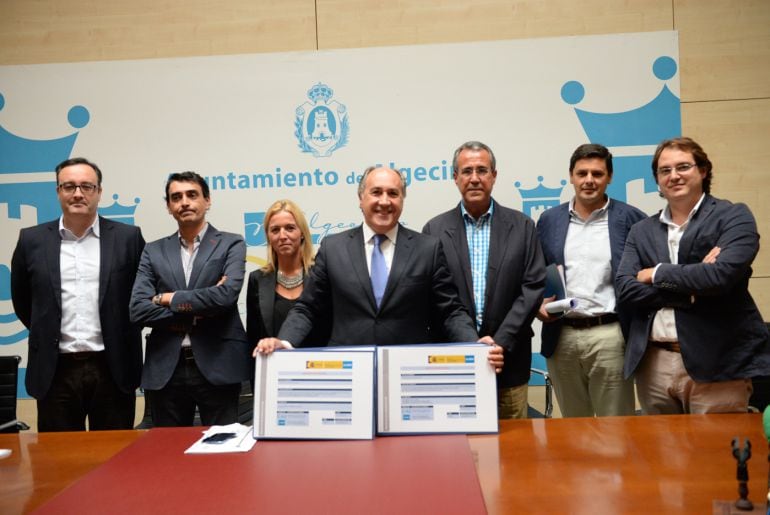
661 464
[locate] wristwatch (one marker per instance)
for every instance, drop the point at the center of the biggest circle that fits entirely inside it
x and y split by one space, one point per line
156 299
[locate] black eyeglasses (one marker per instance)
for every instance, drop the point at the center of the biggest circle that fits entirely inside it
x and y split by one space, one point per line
86 188
680 168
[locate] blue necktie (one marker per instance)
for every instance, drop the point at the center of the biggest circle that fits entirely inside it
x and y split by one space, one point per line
379 273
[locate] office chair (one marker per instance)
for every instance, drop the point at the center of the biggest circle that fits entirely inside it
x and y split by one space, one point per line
9 377
532 412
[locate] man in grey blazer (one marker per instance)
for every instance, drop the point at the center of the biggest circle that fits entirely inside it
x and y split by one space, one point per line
187 290
412 288
696 336
585 236
70 284
497 267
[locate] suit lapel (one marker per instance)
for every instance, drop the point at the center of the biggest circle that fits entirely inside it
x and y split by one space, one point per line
106 246
209 242
267 300
616 228
661 243
358 262
173 254
693 228
560 233
501 228
53 259
401 256
456 234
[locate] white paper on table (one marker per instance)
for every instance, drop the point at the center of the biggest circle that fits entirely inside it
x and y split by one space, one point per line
315 393
436 389
242 442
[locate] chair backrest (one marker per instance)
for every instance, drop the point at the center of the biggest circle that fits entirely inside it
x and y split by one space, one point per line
9 374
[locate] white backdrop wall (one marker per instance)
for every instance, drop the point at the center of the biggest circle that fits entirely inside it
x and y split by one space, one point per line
249 125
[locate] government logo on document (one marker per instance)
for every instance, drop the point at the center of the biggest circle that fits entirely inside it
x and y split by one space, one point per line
321 125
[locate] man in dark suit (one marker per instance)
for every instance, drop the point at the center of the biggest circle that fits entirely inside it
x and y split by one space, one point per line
585 347
385 284
497 267
696 336
70 283
187 290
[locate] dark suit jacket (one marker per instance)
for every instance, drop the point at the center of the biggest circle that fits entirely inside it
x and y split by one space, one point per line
419 291
552 230
36 293
260 299
720 330
209 313
515 281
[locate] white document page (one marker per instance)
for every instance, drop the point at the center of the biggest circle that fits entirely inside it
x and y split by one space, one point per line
436 389
315 393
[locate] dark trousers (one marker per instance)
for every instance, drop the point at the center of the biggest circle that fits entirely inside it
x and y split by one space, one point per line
83 387
174 404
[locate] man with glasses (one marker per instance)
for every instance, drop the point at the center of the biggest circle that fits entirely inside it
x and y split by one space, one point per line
696 336
71 282
497 267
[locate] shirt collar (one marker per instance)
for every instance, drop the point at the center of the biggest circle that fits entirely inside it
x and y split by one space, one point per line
594 214
94 228
665 215
197 238
369 233
483 218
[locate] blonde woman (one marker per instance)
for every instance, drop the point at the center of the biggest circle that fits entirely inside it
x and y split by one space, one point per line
274 288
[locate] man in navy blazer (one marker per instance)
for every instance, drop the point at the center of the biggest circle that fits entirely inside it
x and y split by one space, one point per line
415 293
696 336
70 284
585 348
497 267
187 290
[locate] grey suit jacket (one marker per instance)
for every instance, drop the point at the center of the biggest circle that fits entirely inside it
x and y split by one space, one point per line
552 230
515 281
720 330
36 294
205 311
419 293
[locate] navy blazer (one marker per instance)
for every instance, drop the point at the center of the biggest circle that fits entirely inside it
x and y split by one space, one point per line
721 332
515 281
419 292
36 294
552 230
205 311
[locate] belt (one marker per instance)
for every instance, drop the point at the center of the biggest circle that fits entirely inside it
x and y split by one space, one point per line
585 323
81 356
669 346
187 353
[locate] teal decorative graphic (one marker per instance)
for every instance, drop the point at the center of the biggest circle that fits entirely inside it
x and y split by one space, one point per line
321 125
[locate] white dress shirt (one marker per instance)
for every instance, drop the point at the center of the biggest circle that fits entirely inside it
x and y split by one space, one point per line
387 246
79 260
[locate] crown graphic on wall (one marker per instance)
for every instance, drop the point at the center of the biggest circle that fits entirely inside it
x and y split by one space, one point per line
33 161
540 197
320 92
24 155
120 212
628 132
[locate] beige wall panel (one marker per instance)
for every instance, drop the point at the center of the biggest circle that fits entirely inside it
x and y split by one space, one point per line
45 31
760 290
724 48
356 23
735 135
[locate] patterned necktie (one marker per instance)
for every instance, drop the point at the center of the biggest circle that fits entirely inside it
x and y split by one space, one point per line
379 273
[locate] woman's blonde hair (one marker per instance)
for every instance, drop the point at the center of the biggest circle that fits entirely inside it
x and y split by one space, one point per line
306 244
